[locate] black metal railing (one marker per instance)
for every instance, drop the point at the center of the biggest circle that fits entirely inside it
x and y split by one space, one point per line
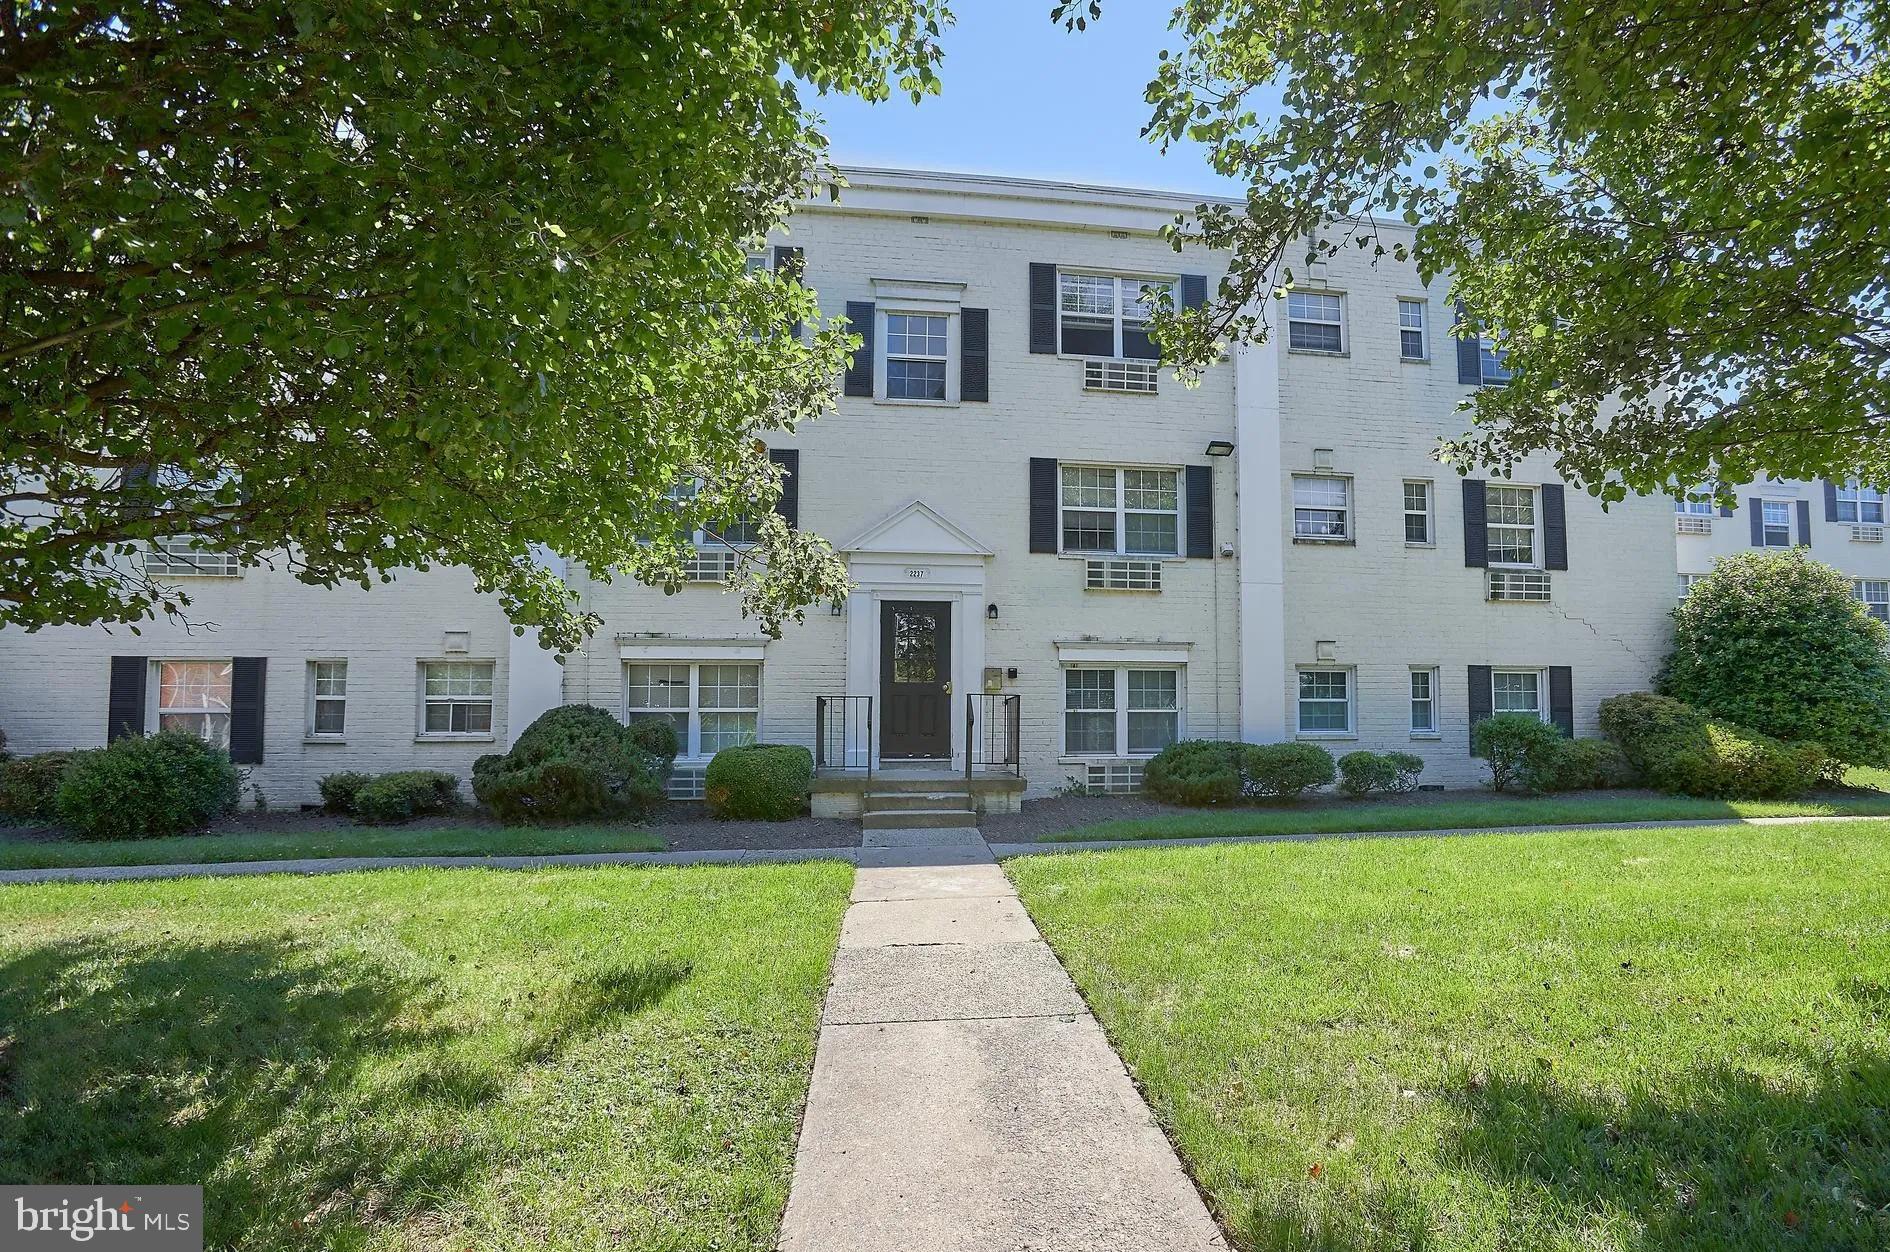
994 732
843 733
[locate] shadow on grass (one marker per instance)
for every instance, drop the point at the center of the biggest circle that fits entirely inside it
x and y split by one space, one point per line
313 1093
1724 1159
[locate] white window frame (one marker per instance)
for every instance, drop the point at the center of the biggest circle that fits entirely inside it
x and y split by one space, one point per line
1122 710
1696 502
1874 595
424 700
1765 523
155 711
1541 677
689 748
1492 365
1859 499
1428 512
1434 727
882 349
1127 289
1351 702
1534 528
1345 481
706 542
1122 510
1297 319
316 698
1687 582
1414 317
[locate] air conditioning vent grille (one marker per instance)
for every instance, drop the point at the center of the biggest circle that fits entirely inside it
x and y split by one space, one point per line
685 782
710 565
1114 778
1105 574
1692 524
173 556
1519 585
1135 377
1867 534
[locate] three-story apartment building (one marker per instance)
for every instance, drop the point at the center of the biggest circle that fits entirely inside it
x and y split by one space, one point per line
1061 559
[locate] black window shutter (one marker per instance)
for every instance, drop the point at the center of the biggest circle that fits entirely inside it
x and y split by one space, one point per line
247 675
790 263
1201 510
124 706
1804 523
1554 527
1481 701
1476 536
1758 522
1193 291
1469 352
1562 699
1043 308
859 376
1043 504
974 354
1830 500
789 505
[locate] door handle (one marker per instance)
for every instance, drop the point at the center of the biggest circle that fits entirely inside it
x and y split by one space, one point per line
948 688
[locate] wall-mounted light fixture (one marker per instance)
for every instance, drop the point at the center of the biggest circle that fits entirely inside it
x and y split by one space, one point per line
838 606
1220 447
990 611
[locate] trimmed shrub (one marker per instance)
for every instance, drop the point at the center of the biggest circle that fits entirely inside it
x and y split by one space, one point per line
1406 766
1361 773
145 787
1579 765
1678 748
1195 772
1775 642
339 790
404 795
1516 747
577 763
1281 771
765 781
29 783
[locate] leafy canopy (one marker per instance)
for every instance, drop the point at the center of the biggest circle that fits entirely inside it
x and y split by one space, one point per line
375 286
1777 642
1684 204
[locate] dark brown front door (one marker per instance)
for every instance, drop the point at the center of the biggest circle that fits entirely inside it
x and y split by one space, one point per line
915 670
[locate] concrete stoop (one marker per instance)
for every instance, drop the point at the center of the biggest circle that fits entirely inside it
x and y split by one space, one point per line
927 805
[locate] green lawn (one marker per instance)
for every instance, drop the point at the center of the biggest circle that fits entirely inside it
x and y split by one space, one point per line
1337 816
345 841
424 1058
1605 1041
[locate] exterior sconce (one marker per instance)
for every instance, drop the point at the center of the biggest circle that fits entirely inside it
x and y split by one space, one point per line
1220 447
990 612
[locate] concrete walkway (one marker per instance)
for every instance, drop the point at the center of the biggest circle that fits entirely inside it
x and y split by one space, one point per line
963 1096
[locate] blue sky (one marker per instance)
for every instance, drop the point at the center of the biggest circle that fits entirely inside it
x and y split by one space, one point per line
1024 97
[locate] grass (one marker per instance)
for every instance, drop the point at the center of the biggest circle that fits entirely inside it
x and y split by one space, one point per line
424 1058
1606 1041
1338 816
343 841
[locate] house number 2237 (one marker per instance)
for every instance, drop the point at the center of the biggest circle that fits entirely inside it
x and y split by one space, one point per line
918 573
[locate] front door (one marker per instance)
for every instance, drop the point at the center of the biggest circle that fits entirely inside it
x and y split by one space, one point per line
915 670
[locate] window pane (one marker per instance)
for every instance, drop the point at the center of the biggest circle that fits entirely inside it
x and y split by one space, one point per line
1089 689
1151 732
1089 532
910 335
1515 692
1150 533
1510 506
730 687
1323 702
1417 528
329 717
1087 293
194 686
1152 689
1089 487
659 686
1423 705
1313 337
1149 489
915 380
1312 307
1319 507
331 678
1089 732
726 730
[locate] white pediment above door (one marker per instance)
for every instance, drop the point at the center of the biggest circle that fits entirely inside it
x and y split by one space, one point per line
916 529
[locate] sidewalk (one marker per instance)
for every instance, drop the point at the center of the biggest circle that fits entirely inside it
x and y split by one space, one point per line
963 1096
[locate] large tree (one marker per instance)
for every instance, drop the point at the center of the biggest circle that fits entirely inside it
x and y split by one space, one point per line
1682 206
361 286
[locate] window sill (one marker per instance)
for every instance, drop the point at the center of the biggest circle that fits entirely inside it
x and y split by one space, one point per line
915 404
438 738
1414 360
1409 544
1328 735
324 739
200 574
1426 736
1093 758
1317 541
1123 556
1130 360
1318 352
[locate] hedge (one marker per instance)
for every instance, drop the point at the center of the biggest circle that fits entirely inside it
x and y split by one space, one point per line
576 763
1678 748
759 781
28 785
1205 772
146 787
404 795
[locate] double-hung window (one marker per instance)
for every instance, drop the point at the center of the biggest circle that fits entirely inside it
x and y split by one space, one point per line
1874 594
194 697
1512 523
327 698
1858 503
1325 702
1121 711
1775 523
711 705
1322 506
918 348
1121 510
456 697
1516 691
1107 315
1412 344
1417 512
1694 504
1315 322
1423 702
1493 362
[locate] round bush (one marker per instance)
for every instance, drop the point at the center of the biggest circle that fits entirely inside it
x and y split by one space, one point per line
1405 768
1194 772
146 787
1281 771
1361 773
1517 747
546 793
1775 642
606 770
1678 748
404 795
656 736
28 785
764 781
339 790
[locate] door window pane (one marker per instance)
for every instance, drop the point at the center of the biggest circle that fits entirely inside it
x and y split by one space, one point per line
914 647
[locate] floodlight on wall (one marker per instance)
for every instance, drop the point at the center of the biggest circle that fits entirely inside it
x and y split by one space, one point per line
1220 447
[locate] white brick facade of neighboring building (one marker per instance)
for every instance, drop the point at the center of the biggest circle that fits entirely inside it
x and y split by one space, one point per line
932 503
1843 524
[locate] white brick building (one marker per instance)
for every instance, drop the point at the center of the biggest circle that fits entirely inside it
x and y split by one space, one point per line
1842 523
1044 533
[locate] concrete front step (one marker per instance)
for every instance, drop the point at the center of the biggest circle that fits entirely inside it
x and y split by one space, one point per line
917 819
936 798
